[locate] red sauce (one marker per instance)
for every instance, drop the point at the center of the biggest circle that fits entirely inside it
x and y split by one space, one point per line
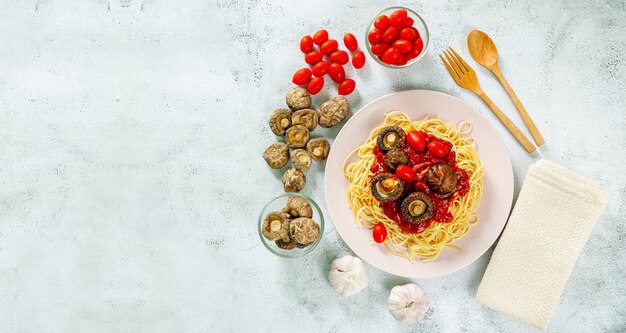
420 161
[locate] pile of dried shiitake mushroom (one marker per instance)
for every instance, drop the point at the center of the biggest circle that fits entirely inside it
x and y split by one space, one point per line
293 226
295 125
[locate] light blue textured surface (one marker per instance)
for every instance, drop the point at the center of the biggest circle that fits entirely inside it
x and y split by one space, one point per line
130 170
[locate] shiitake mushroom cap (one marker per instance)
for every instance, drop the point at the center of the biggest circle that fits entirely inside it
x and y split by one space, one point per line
276 225
417 207
293 180
300 159
298 98
276 155
304 230
297 136
379 192
280 121
318 148
441 179
390 137
298 207
305 117
395 157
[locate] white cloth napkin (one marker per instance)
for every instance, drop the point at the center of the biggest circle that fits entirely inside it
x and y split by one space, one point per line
551 221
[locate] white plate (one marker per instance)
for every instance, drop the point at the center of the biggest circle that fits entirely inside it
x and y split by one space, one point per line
496 199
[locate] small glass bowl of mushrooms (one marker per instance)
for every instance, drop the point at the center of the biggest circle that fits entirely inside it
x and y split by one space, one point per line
291 225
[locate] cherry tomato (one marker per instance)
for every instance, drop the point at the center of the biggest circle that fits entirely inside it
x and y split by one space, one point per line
320 37
381 22
379 233
306 44
350 42
437 148
417 33
418 45
336 72
329 46
416 140
358 59
301 76
396 17
321 68
379 49
315 85
407 22
313 57
402 45
346 87
408 34
402 60
340 57
390 34
406 173
391 56
374 36
415 50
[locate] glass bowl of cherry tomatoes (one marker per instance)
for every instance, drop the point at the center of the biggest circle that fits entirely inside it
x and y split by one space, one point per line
397 37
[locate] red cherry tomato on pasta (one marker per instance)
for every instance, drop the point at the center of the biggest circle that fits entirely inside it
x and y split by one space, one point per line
379 233
329 46
346 87
374 36
350 42
340 57
315 85
313 57
306 44
396 17
390 34
406 173
321 68
381 22
336 72
320 37
358 59
416 140
301 76
437 148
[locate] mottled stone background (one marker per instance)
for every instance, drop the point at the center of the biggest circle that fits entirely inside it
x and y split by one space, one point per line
131 177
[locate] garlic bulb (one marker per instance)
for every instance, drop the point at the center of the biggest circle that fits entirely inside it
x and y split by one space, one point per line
347 275
408 303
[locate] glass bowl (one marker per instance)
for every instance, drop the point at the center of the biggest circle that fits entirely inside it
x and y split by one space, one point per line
278 204
419 24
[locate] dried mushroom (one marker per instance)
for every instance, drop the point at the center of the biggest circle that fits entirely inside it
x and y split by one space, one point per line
386 187
301 160
395 157
304 230
280 121
390 137
276 226
441 179
277 155
293 180
286 245
298 207
306 117
297 136
298 99
417 207
318 148
333 112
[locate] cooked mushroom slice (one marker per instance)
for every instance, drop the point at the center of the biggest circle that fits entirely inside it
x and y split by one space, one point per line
301 160
395 157
298 99
333 112
288 244
390 137
318 148
307 118
297 136
417 207
298 207
386 187
276 226
293 180
280 121
304 230
441 179
276 155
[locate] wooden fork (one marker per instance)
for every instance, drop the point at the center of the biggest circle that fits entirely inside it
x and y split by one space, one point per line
466 78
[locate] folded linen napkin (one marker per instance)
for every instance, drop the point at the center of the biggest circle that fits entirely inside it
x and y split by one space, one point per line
551 221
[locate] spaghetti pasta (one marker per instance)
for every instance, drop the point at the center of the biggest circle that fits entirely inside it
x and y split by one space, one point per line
428 244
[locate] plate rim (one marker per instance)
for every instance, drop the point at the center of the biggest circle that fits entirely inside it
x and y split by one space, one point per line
500 140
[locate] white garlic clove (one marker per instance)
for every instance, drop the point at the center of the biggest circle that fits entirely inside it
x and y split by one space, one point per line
347 275
408 303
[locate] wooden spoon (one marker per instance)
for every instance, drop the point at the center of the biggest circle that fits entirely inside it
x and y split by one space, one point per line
484 52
